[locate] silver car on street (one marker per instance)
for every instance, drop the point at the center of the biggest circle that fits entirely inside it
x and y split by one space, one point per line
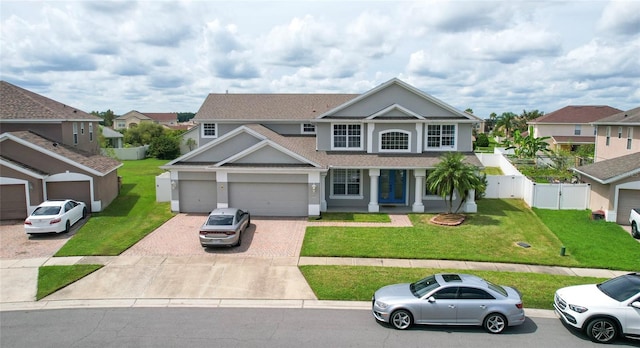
224 227
449 299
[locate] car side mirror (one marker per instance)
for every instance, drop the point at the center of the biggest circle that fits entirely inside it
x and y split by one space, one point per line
635 304
431 299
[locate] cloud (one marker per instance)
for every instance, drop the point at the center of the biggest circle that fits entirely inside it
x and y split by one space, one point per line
224 54
621 18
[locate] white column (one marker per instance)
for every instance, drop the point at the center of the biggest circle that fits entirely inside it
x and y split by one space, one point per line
374 176
470 205
323 199
418 175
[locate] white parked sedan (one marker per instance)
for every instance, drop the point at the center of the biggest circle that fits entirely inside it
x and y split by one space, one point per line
604 311
55 216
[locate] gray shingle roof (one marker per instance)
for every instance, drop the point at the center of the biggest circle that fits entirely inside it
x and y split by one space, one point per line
613 169
99 163
630 117
577 114
268 106
19 104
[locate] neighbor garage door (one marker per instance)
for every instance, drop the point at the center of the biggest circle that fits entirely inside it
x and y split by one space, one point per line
270 199
627 199
76 190
13 202
198 196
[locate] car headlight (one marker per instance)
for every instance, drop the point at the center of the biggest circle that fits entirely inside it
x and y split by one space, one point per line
578 309
381 305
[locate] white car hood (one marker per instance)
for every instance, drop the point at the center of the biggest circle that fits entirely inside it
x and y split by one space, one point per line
585 295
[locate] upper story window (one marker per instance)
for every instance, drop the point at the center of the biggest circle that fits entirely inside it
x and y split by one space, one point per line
346 137
122 124
395 141
629 137
209 130
308 128
608 138
346 183
90 131
75 133
619 132
82 128
441 136
577 130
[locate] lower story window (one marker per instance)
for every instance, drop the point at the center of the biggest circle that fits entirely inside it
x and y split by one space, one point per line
346 182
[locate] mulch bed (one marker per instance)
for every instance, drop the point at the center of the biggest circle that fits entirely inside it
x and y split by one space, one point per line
448 219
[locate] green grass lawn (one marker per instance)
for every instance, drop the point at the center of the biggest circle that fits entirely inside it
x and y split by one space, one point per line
358 283
131 216
352 217
490 235
492 171
54 278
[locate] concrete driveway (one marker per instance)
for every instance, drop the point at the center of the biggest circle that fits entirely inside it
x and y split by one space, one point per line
170 264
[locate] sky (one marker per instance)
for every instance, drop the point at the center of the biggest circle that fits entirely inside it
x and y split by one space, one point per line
167 56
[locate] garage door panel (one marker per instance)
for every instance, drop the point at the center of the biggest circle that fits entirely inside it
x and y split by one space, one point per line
76 190
627 200
13 202
197 196
270 199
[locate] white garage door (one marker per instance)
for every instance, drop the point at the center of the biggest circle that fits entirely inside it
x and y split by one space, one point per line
272 199
627 200
198 196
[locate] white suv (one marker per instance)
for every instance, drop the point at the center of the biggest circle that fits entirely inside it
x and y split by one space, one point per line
604 311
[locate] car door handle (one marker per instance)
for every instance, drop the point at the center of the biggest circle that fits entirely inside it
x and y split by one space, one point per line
483 306
452 306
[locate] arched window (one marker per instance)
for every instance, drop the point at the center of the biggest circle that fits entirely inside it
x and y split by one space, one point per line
395 141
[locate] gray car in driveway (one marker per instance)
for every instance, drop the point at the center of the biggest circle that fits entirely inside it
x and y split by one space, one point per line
449 299
224 227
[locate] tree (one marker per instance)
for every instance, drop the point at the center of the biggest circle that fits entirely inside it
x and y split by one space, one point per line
507 122
528 146
482 140
185 116
164 147
143 134
526 116
107 117
452 175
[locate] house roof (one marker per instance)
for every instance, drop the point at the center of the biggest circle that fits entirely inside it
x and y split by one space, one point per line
573 139
577 114
133 114
19 105
97 164
162 116
612 170
629 117
268 106
110 133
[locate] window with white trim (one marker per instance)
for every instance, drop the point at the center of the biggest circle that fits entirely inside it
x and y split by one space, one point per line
608 138
395 141
629 137
577 130
346 183
75 133
209 130
619 132
441 136
346 136
82 128
308 128
90 132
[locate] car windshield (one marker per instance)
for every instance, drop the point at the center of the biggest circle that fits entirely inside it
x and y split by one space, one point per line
621 288
46 211
220 220
423 286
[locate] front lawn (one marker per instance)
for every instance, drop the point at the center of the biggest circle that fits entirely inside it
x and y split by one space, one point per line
490 235
358 283
54 278
131 216
352 217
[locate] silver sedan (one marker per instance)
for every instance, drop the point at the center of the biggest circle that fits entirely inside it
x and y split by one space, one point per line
449 299
224 227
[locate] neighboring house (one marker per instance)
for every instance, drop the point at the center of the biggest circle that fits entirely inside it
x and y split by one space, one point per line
49 150
303 154
113 138
134 118
615 175
189 140
570 126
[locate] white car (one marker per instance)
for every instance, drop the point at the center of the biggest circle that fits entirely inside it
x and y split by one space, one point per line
55 216
604 311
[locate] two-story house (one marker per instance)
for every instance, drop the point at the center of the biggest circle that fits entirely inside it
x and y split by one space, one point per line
49 150
615 174
134 118
570 126
303 154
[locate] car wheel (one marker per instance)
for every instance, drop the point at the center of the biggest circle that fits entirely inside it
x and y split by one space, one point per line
84 213
239 240
67 227
602 330
495 323
634 230
401 319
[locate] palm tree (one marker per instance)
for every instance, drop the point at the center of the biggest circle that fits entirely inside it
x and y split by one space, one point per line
451 175
507 121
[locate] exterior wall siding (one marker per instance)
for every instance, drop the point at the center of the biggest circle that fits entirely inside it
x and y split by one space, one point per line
226 148
617 146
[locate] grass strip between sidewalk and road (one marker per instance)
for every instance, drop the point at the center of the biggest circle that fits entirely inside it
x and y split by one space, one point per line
54 278
358 283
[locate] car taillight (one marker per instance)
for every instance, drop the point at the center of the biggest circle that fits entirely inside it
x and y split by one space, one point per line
519 305
54 221
27 222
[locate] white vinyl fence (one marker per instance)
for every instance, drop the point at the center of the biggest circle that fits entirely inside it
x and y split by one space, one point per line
515 185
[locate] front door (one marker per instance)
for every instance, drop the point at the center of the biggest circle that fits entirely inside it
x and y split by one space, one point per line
392 186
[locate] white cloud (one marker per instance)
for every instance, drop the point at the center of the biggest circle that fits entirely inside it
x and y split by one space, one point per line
621 18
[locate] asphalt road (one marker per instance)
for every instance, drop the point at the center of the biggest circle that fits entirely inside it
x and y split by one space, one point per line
248 327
